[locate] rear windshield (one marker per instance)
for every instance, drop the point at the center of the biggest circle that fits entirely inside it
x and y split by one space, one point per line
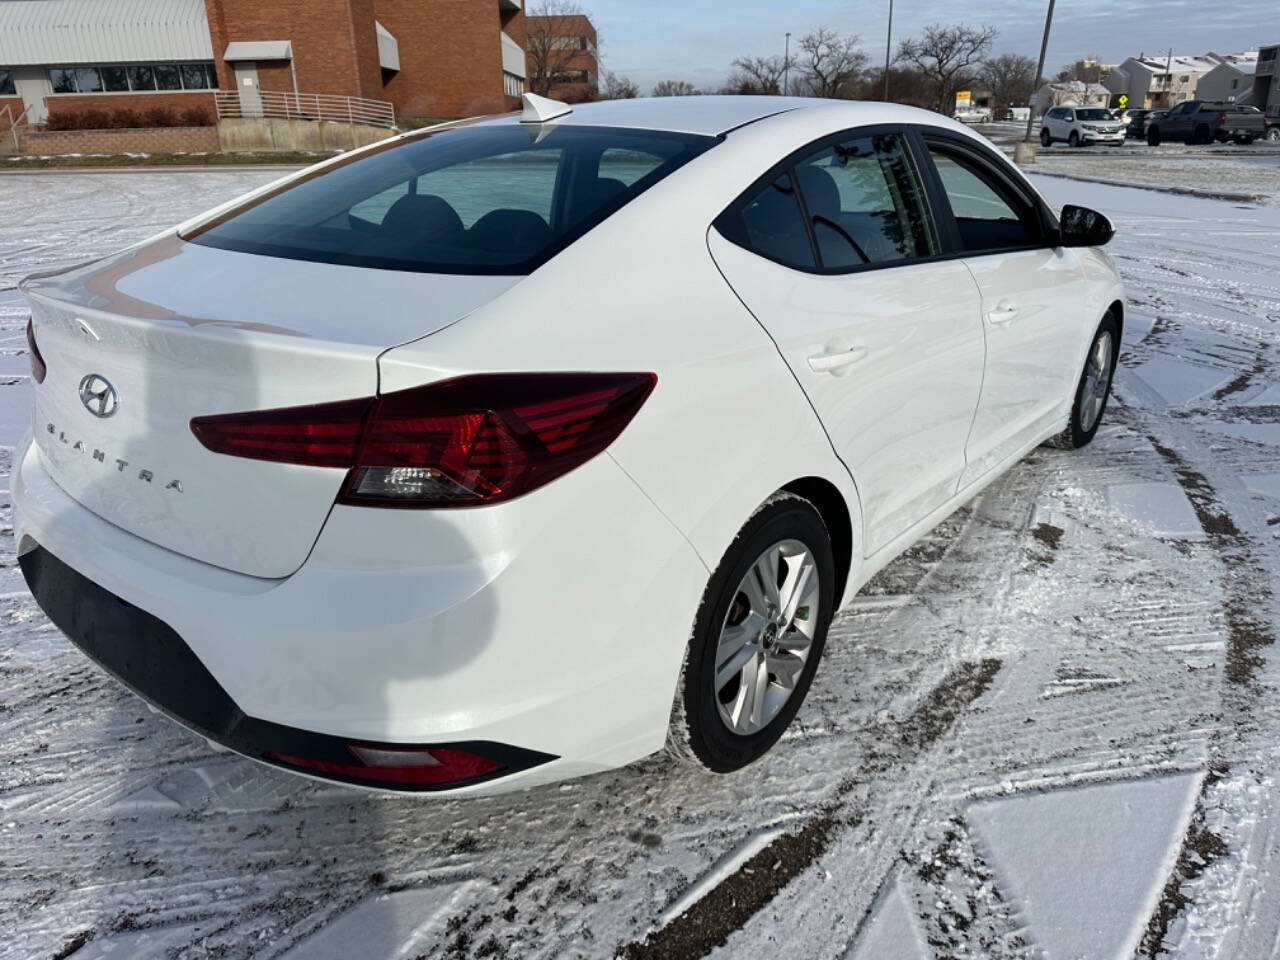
483 199
1093 114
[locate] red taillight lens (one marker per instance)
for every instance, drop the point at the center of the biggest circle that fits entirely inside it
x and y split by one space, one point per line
397 766
1222 119
465 442
38 369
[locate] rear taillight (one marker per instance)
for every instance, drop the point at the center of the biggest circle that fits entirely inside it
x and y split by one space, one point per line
38 369
465 442
1222 119
396 766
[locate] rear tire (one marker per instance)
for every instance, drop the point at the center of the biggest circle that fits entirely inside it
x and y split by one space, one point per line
1273 134
1153 137
1201 136
1045 137
714 720
1094 387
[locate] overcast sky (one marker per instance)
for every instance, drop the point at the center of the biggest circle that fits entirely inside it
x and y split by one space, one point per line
695 40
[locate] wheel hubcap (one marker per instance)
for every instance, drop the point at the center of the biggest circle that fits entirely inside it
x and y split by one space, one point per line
1097 381
766 637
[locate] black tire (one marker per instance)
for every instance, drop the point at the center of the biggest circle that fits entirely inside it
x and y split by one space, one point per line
1245 141
1153 136
1074 139
1076 436
698 734
1045 137
1273 134
1201 136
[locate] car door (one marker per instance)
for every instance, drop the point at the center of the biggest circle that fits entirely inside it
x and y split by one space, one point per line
1052 123
836 254
1031 294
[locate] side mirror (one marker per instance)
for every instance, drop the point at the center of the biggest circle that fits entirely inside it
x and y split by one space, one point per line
1082 227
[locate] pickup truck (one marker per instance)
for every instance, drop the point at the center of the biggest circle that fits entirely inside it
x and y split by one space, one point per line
1203 121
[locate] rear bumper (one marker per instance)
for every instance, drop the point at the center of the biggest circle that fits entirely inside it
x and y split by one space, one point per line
146 655
552 626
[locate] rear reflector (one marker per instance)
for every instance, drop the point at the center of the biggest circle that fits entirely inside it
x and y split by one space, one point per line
38 369
465 442
397 766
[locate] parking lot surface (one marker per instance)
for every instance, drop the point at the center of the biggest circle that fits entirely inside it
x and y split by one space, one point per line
1051 729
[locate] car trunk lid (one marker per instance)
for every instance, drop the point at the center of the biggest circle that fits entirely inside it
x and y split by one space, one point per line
138 344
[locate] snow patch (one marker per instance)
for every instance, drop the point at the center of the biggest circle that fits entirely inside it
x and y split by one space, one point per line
891 931
1177 382
1160 508
393 925
1086 866
1264 484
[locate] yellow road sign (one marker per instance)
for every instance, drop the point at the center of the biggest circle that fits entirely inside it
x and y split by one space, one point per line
1123 101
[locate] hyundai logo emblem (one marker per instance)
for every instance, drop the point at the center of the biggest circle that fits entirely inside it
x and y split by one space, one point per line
99 396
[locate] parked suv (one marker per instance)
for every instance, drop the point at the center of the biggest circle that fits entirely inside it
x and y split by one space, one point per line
1204 121
1081 125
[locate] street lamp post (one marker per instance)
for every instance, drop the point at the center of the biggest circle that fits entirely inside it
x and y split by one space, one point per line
786 68
1025 152
888 44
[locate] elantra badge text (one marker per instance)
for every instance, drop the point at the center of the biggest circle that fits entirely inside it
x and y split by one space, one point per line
146 476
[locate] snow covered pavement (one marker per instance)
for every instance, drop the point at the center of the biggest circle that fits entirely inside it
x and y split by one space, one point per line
1051 730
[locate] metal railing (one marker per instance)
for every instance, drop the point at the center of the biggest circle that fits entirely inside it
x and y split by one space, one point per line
7 112
305 106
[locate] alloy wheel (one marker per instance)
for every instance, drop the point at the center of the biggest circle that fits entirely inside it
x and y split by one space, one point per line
1097 381
766 637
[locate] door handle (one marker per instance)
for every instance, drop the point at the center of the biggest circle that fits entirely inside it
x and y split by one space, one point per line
836 360
1003 313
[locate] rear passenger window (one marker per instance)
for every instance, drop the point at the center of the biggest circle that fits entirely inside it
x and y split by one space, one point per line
773 225
987 215
865 203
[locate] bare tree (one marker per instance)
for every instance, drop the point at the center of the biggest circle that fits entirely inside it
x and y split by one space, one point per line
1010 77
757 75
947 56
674 88
614 87
828 64
552 43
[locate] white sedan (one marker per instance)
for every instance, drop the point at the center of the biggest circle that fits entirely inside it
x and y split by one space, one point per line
519 449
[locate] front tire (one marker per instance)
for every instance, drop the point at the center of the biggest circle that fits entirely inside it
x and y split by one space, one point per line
1094 387
1045 137
1153 137
757 639
1074 139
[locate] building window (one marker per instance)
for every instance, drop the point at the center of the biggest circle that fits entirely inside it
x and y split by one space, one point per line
6 82
512 85
122 78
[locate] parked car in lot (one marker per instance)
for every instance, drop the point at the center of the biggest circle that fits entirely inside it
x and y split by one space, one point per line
1079 126
976 115
515 450
1135 123
1204 121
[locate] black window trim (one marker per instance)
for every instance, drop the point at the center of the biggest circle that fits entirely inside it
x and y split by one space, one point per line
729 222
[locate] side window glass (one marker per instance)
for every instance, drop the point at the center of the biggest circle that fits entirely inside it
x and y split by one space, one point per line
987 218
774 226
865 203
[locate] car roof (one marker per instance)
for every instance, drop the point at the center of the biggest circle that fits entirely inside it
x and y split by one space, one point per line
711 115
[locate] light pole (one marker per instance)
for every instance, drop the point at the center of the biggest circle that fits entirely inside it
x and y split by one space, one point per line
786 68
888 44
1025 152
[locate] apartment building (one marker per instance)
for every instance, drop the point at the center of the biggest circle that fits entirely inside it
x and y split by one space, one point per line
1265 91
1159 82
445 58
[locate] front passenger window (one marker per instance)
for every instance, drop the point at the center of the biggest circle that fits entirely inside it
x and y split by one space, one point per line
987 216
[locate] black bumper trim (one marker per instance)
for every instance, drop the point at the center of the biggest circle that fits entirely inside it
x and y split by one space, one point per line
151 659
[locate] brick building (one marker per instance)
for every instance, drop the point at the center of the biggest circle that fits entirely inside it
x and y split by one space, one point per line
428 58
563 57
